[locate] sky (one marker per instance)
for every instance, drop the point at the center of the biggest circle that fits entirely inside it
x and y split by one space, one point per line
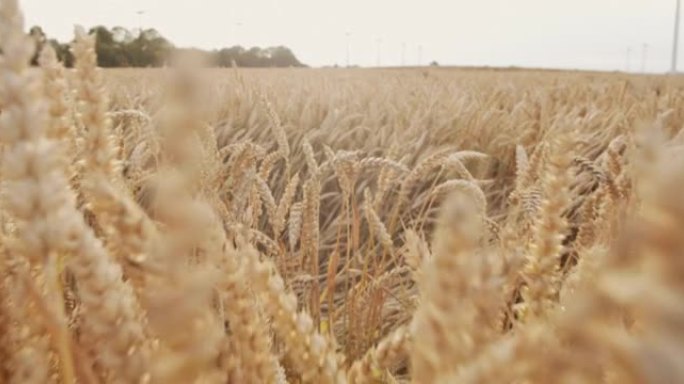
623 35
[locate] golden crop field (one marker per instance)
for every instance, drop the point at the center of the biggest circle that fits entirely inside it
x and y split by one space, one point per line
421 226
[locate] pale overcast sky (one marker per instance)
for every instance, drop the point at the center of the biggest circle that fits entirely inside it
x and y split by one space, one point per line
586 34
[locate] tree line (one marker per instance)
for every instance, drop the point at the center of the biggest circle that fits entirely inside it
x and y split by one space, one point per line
120 47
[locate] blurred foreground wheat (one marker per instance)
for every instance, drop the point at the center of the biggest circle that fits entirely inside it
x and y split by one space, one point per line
198 226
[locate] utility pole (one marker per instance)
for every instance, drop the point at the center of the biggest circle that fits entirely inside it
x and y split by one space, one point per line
644 57
420 55
378 60
348 34
403 54
675 44
237 25
628 60
140 13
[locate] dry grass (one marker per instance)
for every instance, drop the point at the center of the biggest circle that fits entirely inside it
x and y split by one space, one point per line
332 226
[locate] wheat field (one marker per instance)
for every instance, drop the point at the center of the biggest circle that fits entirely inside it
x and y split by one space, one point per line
187 225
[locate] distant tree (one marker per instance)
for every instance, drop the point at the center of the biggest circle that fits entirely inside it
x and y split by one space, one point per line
120 47
256 57
253 57
283 57
227 56
434 64
39 39
63 52
109 52
149 49
122 35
